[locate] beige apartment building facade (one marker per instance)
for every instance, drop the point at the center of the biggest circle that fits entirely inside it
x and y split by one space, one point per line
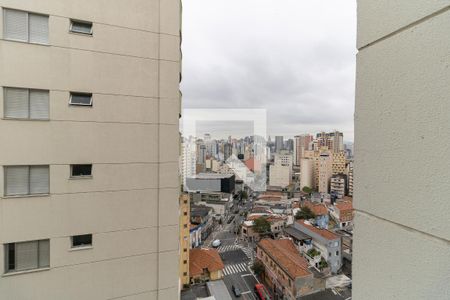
325 162
185 222
401 241
89 111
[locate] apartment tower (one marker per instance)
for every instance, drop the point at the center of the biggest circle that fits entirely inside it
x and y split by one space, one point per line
89 110
401 246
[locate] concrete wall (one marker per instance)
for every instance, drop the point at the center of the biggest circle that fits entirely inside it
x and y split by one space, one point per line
208 185
402 232
131 65
306 173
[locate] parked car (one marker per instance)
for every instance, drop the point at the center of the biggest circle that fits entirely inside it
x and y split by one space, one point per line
262 292
236 291
216 243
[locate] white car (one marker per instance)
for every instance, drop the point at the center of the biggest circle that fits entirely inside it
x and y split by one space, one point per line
216 243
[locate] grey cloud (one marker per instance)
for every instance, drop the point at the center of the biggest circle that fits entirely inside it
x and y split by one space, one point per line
297 64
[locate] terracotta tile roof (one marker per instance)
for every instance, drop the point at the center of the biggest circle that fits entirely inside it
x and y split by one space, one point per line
322 232
270 218
250 164
344 205
270 197
319 209
261 209
284 253
203 258
276 218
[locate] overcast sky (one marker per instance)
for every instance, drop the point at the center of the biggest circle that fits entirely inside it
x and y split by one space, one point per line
295 58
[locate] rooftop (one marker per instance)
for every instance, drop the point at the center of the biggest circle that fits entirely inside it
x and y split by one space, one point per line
328 294
212 176
322 232
218 290
204 258
344 205
286 256
297 234
319 209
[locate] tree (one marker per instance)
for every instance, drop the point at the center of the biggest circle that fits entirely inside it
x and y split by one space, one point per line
305 213
258 268
323 263
307 190
244 195
261 225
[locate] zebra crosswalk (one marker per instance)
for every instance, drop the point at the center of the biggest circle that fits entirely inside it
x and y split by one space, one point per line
228 248
234 269
248 252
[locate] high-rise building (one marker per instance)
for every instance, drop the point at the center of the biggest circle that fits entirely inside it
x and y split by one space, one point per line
201 154
227 151
339 162
350 178
302 144
401 196
90 105
280 173
290 145
337 185
306 173
333 140
279 144
325 172
338 141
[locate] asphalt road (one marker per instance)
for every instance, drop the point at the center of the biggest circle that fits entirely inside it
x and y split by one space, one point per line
245 282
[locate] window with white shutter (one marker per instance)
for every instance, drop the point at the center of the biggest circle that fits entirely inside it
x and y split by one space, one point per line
39 104
26 104
26 256
24 26
15 103
26 180
15 25
39 181
38 26
16 181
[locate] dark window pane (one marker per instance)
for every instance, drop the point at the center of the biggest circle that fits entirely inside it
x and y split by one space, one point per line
81 27
80 99
81 170
82 240
11 257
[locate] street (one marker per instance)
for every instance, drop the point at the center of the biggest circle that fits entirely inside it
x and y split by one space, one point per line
236 256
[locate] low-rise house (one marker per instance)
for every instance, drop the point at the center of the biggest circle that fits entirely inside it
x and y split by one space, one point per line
320 211
261 210
343 213
285 270
202 216
326 243
277 224
221 203
304 245
205 264
195 235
